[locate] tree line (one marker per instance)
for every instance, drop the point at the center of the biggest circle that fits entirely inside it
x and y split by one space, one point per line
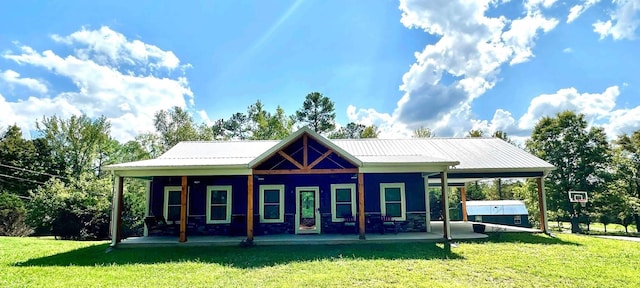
53 184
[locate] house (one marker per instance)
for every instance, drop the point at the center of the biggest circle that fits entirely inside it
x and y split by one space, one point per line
308 184
507 212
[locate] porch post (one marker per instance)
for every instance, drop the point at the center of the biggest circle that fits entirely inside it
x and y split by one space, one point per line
120 205
463 195
445 206
147 197
183 211
427 203
542 205
361 205
250 208
114 211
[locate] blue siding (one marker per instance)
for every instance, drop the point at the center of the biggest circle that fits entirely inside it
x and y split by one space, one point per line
414 190
198 192
292 181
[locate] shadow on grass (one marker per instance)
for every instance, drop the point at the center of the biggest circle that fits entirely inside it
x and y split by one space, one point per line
528 238
254 257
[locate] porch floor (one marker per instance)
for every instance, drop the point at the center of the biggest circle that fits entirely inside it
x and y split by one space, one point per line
459 231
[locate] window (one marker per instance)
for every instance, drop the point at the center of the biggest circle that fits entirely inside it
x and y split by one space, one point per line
392 201
271 203
218 204
478 218
343 201
517 219
172 203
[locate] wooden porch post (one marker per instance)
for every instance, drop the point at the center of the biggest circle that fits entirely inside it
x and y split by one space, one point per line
119 213
361 218
250 208
445 206
183 210
542 205
463 195
427 203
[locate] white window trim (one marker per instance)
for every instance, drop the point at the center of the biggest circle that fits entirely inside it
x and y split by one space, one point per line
517 219
403 200
279 187
334 188
165 204
227 219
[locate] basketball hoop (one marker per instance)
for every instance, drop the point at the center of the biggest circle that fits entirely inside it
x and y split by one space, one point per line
579 197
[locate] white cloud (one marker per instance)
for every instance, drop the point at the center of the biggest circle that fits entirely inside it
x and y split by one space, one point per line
13 78
578 9
107 47
471 49
533 4
128 99
623 121
594 106
623 21
567 50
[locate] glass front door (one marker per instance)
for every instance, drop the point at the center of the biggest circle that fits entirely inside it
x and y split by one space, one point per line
307 214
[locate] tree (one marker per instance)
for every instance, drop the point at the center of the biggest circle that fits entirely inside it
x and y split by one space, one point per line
17 161
503 135
75 143
176 125
355 131
423 132
12 216
475 133
267 126
630 145
317 112
76 210
237 127
580 155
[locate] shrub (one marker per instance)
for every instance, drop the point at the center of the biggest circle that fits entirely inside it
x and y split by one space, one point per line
12 216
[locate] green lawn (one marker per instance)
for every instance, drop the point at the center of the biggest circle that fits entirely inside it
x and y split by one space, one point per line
594 227
506 260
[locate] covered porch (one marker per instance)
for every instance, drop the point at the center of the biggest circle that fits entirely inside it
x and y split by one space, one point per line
460 231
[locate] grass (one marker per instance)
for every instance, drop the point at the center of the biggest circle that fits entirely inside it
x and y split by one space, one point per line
505 260
596 228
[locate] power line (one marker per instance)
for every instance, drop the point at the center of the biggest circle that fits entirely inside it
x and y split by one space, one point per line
32 171
20 178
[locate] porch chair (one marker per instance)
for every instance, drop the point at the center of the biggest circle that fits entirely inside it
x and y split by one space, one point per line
156 224
349 224
388 223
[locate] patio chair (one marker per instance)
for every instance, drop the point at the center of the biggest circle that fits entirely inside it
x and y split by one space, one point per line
349 224
388 223
156 225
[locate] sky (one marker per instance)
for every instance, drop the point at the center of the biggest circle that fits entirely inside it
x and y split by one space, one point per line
448 65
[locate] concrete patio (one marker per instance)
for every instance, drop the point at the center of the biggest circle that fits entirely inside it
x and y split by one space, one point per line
460 231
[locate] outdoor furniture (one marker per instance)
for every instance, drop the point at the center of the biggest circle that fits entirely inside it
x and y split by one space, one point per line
238 225
388 223
349 225
156 224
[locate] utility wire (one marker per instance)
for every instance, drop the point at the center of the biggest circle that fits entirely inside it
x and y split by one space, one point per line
20 178
27 170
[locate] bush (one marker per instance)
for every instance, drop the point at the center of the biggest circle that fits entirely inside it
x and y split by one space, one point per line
78 210
12 216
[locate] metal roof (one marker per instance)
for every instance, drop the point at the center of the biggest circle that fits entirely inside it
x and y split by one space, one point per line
496 207
472 154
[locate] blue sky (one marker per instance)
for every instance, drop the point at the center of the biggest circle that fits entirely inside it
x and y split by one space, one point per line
447 65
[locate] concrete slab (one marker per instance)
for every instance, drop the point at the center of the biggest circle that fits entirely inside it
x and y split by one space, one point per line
460 231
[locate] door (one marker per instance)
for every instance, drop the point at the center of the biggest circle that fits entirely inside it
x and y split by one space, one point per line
307 214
